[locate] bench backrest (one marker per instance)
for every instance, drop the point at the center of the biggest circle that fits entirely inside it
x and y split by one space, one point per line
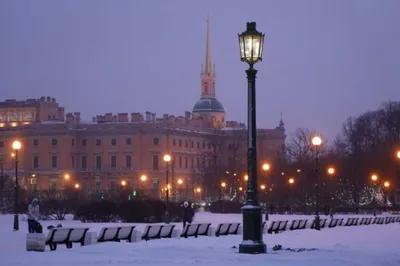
282 225
77 234
59 234
151 231
125 232
111 233
203 229
234 228
223 229
166 230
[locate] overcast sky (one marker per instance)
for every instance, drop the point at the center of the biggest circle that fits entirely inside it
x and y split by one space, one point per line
324 60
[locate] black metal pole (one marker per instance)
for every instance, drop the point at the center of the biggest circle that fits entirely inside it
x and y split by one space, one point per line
167 192
317 220
252 212
16 220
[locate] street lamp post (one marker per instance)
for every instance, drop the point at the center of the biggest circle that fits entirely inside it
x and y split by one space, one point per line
251 47
167 159
316 142
16 146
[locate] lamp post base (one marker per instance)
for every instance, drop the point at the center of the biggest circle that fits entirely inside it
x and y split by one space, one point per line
16 222
252 231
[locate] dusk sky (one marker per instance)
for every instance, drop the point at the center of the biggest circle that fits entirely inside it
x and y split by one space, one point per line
323 60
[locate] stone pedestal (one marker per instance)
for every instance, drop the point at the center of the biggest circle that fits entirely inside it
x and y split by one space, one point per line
136 236
176 233
211 231
35 242
90 238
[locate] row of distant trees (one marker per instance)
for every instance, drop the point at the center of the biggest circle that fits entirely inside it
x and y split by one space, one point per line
366 145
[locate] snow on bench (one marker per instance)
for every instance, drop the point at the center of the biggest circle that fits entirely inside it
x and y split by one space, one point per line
277 227
65 236
195 230
159 231
298 225
116 233
335 222
225 229
322 223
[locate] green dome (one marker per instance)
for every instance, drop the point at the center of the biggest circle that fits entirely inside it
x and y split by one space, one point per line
208 105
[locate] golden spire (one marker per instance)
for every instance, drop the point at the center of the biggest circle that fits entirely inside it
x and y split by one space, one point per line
208 64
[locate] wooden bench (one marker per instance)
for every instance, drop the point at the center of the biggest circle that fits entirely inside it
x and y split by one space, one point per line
298 224
335 222
227 229
195 230
398 219
351 221
277 227
322 223
158 231
65 236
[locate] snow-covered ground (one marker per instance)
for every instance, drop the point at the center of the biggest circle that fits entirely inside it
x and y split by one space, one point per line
362 245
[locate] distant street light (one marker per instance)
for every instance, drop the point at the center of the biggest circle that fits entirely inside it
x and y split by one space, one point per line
16 146
374 177
266 167
291 180
167 158
316 142
331 171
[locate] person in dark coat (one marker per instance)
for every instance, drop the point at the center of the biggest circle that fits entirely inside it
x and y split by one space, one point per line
188 213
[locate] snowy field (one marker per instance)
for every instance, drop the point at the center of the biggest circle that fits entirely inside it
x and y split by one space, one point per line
351 246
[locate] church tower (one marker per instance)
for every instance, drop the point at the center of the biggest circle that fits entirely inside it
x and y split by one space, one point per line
208 107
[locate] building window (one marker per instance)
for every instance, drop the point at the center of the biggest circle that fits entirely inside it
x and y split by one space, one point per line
53 184
113 186
113 161
73 142
54 142
113 142
73 161
198 145
186 162
209 146
173 142
98 162
35 162
156 141
180 161
84 142
204 145
128 141
192 144
156 162
192 162
128 161
98 142
83 162
180 143
98 184
54 161
35 142
1 144
186 143
198 162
